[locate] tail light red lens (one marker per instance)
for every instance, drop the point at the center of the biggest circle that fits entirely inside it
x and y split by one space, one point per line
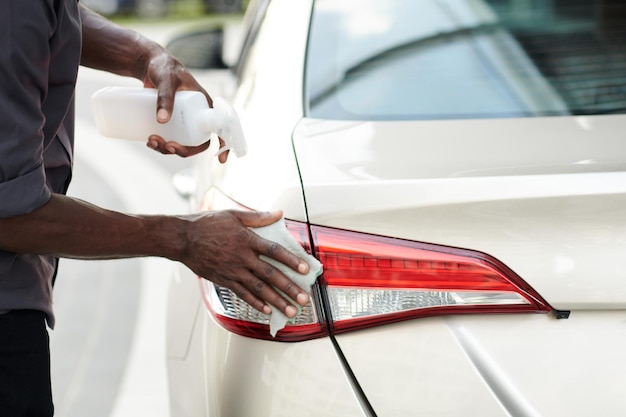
374 280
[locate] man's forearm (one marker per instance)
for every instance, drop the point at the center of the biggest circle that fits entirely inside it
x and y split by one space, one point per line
113 48
215 245
71 228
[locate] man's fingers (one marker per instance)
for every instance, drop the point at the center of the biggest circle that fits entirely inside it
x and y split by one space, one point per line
238 259
168 148
223 157
268 247
277 279
275 251
166 90
246 295
260 294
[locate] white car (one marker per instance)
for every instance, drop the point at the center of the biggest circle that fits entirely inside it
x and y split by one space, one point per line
459 168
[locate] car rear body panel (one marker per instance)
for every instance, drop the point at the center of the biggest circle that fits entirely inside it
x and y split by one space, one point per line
499 365
241 376
549 205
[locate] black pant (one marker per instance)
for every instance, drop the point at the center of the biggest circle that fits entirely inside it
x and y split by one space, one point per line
25 389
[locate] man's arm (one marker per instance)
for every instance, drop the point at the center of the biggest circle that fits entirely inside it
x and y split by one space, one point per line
113 48
215 245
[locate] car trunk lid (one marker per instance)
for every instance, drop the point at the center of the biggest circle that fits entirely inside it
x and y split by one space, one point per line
545 196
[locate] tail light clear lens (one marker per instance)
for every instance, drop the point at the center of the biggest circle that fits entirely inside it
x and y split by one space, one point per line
237 316
373 280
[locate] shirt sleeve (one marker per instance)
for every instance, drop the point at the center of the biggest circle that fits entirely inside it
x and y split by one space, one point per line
25 31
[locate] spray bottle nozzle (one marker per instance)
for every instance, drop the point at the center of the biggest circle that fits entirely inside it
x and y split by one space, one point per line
225 123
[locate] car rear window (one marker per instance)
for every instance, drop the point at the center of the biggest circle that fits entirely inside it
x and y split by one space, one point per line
458 59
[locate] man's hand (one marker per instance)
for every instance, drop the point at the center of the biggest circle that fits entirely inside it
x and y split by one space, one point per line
119 50
222 249
167 75
172 147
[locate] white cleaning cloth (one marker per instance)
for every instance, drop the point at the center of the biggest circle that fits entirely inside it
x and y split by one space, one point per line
278 233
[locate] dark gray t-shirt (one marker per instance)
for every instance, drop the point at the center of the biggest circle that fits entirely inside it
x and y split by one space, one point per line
40 44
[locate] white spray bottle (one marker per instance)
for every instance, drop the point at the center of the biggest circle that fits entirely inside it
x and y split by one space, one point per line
130 113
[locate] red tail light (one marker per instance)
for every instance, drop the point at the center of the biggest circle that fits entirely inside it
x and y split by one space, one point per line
373 280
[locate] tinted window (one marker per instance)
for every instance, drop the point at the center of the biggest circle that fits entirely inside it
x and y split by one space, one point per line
443 59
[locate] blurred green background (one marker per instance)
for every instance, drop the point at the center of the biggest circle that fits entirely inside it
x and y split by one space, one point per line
132 10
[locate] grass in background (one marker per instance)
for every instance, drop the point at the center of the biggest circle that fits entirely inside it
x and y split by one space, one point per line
179 10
